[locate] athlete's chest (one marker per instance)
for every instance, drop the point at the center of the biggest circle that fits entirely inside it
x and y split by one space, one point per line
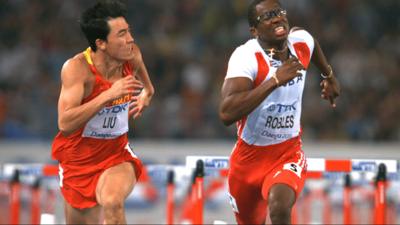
95 83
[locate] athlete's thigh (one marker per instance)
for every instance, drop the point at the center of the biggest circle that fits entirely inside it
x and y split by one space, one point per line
281 194
82 216
246 201
291 172
116 182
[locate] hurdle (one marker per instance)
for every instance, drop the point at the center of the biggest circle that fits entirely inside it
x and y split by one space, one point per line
27 178
217 167
320 168
34 179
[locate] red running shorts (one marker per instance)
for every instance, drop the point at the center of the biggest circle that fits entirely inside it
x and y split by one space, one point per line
254 169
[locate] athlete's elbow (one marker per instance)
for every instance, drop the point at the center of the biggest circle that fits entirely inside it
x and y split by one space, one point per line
64 128
226 118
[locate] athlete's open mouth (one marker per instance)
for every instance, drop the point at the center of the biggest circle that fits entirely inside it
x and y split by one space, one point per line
280 30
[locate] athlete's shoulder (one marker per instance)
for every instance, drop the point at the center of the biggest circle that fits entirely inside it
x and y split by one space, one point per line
243 61
299 33
75 67
246 48
293 29
250 45
75 62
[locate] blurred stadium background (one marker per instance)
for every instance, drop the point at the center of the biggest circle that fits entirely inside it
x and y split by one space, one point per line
186 45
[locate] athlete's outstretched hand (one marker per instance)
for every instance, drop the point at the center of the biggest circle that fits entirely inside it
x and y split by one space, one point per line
289 70
123 87
139 103
330 90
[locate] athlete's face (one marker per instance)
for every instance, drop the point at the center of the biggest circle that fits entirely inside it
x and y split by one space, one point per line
272 24
120 42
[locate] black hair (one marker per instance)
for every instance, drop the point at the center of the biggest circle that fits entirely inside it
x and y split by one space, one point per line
252 14
94 20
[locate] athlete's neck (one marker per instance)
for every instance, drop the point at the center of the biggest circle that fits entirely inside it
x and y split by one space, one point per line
106 65
277 50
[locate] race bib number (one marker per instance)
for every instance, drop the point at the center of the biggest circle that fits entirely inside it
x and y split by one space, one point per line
278 121
109 123
294 167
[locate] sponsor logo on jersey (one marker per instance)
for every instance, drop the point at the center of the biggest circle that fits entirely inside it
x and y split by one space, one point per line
281 108
113 109
122 100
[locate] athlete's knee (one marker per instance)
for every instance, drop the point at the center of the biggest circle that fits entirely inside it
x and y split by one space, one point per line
279 212
280 202
112 203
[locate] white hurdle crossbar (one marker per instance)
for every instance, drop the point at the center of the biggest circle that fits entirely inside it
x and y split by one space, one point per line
314 164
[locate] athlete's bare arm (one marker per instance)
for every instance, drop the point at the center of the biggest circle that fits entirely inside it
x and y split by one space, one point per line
71 114
330 87
319 60
141 101
238 98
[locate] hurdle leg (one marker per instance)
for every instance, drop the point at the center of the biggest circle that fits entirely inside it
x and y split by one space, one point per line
380 196
35 202
347 209
170 197
15 202
198 193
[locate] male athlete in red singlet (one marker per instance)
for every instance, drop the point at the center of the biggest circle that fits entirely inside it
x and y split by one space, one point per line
262 92
99 93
